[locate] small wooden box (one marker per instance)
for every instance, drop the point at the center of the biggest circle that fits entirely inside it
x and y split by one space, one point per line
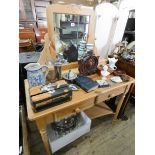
42 100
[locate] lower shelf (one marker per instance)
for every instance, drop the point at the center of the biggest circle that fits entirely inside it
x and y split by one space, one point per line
56 142
100 109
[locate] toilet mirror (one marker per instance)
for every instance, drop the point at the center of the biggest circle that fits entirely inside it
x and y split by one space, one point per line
68 25
69 30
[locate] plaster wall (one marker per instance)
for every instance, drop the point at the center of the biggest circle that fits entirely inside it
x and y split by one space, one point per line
123 14
110 25
106 14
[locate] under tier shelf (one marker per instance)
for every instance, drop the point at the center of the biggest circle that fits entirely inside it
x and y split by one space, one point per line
100 109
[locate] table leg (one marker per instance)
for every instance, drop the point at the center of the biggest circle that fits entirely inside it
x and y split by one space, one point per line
120 102
122 111
42 129
118 107
45 141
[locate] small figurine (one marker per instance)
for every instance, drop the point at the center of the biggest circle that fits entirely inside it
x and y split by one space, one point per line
112 62
105 72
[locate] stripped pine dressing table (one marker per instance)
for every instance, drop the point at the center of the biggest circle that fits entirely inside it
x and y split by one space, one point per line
91 103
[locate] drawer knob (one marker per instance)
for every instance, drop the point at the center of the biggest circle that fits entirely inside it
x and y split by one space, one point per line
77 110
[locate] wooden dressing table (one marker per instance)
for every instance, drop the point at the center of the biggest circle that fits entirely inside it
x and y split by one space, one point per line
91 103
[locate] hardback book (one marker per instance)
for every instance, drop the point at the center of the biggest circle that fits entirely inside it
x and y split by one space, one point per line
86 83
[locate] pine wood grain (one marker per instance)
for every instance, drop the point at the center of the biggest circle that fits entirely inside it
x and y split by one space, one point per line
77 103
100 109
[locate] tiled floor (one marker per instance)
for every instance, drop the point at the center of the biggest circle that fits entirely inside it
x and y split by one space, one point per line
103 139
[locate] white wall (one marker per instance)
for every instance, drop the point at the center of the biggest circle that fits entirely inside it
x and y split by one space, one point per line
110 25
119 29
105 13
123 13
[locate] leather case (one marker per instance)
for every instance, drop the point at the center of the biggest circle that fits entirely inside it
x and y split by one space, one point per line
42 100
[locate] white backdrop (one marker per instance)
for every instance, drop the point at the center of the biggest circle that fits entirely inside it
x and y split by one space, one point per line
105 13
110 25
123 13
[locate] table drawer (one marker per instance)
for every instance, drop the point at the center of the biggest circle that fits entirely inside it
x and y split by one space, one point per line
74 109
104 96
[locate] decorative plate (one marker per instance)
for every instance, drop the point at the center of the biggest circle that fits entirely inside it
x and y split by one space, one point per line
67 77
116 79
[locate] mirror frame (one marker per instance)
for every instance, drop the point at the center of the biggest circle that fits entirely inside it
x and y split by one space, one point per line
70 9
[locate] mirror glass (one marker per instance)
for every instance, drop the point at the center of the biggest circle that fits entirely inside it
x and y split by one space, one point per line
70 30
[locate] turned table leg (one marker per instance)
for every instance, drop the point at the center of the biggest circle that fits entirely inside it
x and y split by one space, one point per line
42 129
45 141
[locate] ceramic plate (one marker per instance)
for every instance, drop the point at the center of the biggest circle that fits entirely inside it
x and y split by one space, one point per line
65 76
116 79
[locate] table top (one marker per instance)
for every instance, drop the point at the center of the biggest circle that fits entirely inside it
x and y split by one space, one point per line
78 96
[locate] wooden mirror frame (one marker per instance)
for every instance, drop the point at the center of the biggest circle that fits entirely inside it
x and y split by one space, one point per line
68 9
